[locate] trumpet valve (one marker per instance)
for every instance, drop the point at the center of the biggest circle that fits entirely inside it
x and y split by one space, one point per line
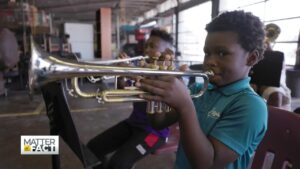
157 107
163 67
171 67
153 66
150 107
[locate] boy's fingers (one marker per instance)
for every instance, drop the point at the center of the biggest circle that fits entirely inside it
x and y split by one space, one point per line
123 55
158 81
151 97
150 86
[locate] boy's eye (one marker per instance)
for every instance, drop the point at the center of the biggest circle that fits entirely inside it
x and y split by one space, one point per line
222 53
206 54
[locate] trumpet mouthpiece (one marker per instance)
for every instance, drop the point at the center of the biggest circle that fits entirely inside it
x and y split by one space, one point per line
209 73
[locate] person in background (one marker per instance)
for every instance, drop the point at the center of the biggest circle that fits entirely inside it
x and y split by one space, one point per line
133 138
66 45
223 127
278 96
9 54
275 96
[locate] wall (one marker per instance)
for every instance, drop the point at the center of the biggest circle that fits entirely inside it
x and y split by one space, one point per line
81 39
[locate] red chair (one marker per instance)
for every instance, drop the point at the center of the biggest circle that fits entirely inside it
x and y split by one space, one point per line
280 148
172 143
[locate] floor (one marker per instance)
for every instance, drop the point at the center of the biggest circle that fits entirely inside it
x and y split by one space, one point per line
21 114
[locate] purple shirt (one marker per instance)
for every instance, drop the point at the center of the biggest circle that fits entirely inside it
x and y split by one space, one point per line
138 118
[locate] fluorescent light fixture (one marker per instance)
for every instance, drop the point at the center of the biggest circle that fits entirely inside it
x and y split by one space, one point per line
149 24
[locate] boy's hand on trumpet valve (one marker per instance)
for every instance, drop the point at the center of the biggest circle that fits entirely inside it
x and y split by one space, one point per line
167 55
184 67
167 60
167 89
123 55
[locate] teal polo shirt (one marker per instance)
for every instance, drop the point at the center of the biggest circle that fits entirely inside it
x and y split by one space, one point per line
235 115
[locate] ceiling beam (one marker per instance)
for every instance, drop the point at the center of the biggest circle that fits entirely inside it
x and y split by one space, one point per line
106 3
85 15
85 10
144 3
81 11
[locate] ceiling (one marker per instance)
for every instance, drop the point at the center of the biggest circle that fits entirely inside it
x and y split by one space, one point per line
85 10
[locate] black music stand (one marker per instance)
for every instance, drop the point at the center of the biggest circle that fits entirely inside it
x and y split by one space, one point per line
61 123
268 71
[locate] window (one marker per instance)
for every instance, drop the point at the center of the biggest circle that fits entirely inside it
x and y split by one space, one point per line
285 14
191 32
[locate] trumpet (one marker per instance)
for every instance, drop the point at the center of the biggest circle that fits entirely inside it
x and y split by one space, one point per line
45 68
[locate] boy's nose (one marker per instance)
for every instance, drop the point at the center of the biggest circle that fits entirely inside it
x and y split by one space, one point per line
210 62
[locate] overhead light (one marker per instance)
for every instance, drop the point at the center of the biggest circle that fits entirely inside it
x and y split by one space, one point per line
150 14
149 24
140 19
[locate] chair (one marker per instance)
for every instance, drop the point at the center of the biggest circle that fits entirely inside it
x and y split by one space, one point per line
280 147
61 123
18 73
172 142
8 76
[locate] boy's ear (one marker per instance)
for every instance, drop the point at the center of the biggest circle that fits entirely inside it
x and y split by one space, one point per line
252 58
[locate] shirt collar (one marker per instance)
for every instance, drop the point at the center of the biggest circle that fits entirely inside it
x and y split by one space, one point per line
232 88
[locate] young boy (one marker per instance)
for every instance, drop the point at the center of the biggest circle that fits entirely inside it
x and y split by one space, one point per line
222 128
133 138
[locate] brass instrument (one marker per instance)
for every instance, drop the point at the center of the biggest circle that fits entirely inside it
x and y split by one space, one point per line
45 68
272 32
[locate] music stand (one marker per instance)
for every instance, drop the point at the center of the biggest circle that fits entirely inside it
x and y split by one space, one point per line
267 72
61 123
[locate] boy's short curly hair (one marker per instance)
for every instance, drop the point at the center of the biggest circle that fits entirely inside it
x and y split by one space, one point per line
163 34
249 28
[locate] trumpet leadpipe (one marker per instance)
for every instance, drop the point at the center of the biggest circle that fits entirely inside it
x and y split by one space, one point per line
108 62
